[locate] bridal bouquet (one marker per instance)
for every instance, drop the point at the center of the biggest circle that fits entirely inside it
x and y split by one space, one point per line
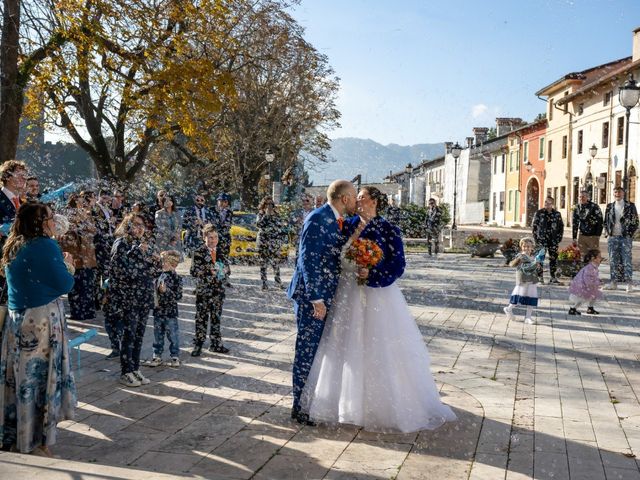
365 254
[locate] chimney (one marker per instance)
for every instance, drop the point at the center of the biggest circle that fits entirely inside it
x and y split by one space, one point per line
505 125
636 45
447 147
469 142
481 134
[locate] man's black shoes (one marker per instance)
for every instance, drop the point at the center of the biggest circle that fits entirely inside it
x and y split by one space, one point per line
302 418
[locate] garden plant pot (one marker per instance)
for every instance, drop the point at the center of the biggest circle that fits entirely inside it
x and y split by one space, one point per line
569 268
484 249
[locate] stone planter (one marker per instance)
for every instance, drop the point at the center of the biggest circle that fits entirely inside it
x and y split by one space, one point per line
509 254
484 249
569 268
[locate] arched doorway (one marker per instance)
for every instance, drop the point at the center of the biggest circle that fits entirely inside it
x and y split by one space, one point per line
533 199
633 184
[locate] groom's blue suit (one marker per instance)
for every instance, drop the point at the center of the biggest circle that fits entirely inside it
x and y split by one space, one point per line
314 278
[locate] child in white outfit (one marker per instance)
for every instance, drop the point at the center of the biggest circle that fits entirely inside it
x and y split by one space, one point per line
526 289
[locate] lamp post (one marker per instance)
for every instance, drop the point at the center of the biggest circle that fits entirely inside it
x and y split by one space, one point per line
455 151
628 96
269 158
588 178
408 170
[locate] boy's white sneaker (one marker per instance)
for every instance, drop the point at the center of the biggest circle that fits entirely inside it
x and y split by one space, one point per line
174 362
610 286
130 380
155 361
141 378
629 287
529 321
508 312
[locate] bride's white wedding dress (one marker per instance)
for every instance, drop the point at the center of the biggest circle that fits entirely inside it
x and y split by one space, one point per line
372 366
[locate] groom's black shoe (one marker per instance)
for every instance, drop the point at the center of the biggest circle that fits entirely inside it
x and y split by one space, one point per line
302 418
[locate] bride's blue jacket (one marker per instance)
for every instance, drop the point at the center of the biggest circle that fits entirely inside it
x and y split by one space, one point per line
388 237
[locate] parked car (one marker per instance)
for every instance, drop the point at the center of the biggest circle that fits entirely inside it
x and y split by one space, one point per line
243 238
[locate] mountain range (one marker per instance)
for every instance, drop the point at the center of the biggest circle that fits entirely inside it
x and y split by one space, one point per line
352 156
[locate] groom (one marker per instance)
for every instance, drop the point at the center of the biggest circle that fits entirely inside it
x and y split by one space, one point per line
315 279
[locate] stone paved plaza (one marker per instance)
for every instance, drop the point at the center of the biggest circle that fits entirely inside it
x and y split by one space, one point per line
556 400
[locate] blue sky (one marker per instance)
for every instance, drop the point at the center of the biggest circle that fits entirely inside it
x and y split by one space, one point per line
429 71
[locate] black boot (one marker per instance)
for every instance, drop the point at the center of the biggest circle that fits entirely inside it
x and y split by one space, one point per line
573 311
197 350
592 311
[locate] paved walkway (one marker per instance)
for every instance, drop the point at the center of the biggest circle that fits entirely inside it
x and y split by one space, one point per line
556 400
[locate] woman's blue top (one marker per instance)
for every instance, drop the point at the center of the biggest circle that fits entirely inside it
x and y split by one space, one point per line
38 275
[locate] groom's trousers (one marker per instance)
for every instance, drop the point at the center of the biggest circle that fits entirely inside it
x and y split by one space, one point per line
307 341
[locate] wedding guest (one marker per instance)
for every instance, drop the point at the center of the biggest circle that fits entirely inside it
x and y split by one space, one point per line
586 224
620 223
168 288
271 238
37 389
168 226
78 241
118 206
13 176
32 189
433 224
224 220
130 293
548 229
105 223
526 291
195 218
319 201
209 273
585 286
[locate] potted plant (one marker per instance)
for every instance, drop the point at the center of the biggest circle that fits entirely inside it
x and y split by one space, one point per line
569 261
481 246
509 250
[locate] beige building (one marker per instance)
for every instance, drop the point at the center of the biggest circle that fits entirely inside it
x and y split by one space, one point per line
562 177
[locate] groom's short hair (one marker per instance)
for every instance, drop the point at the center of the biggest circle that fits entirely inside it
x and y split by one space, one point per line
338 188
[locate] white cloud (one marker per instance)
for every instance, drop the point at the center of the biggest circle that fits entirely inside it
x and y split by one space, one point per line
479 110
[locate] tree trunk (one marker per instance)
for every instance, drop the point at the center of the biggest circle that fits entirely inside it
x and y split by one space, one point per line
11 95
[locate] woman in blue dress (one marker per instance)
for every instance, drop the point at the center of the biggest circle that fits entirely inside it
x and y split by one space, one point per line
37 389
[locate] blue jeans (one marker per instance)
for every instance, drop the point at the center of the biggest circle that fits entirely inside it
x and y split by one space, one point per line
620 258
168 326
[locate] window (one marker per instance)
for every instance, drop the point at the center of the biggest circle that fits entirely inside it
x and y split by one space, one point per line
550 151
620 137
603 191
580 138
564 146
526 152
495 205
605 135
549 192
563 196
518 160
555 194
504 159
541 148
581 109
516 207
551 108
576 189
495 166
502 201
510 200
511 161
607 98
618 181
565 109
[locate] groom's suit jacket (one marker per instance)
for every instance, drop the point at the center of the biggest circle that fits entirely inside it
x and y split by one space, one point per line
318 265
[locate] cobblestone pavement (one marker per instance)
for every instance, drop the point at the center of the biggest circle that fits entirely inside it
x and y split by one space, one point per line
554 400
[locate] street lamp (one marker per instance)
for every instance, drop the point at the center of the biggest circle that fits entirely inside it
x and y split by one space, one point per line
269 158
588 178
628 95
407 182
455 151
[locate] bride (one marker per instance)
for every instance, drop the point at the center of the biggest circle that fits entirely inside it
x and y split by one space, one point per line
372 366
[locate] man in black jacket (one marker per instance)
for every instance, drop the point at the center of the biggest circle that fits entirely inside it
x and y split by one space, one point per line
587 224
620 223
548 229
433 225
